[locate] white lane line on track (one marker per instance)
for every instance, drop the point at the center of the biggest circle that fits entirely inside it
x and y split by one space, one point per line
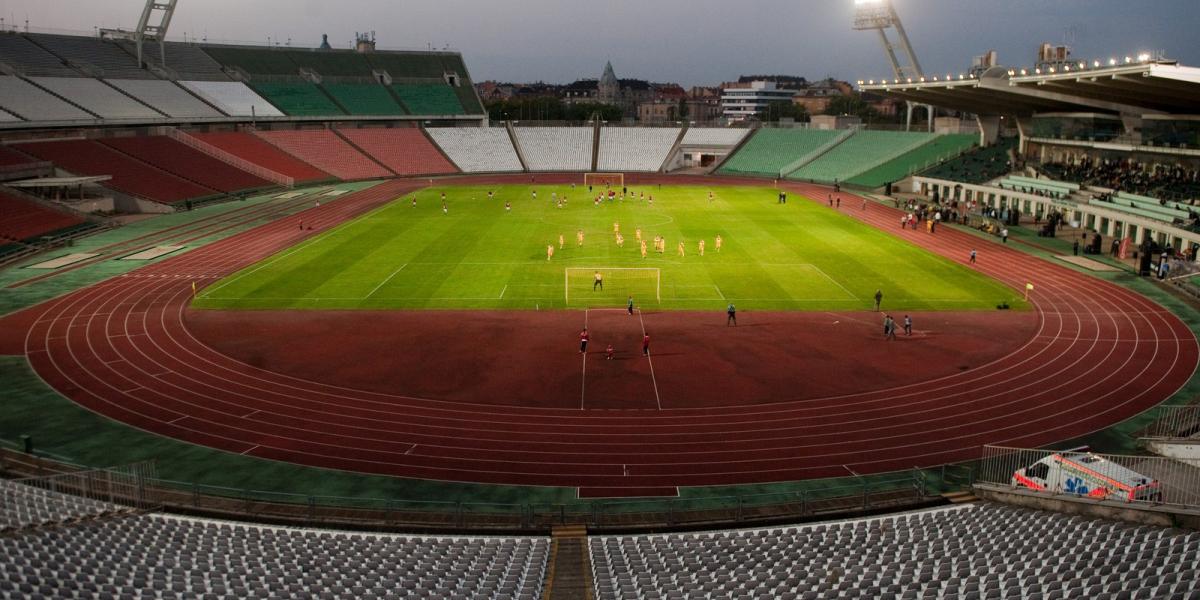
583 372
189 350
256 447
384 282
657 398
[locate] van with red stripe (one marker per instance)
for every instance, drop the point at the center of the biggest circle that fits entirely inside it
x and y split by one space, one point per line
1089 475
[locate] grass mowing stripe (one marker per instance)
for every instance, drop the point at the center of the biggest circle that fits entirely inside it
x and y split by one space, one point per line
477 255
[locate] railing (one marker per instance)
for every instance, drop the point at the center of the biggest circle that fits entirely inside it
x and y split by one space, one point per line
850 495
1147 481
65 497
231 159
1175 423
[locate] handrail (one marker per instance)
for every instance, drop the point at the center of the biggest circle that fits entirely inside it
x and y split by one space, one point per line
230 159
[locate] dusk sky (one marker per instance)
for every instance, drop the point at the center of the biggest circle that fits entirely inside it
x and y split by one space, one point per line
693 42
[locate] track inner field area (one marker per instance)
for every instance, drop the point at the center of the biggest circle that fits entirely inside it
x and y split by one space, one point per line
1099 354
478 254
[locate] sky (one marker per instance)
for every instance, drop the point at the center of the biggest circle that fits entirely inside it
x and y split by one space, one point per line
691 42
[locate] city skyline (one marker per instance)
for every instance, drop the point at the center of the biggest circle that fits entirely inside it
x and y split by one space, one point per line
696 42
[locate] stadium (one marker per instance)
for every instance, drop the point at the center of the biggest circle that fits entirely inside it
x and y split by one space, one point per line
285 322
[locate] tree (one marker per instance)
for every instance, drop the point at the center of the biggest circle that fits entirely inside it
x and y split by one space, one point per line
784 109
684 109
853 104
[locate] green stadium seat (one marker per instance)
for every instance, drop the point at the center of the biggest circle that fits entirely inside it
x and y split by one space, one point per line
298 99
364 98
978 166
409 65
256 61
770 150
332 63
862 151
941 148
429 99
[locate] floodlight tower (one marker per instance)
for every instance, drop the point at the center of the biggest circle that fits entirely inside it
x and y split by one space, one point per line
880 15
147 29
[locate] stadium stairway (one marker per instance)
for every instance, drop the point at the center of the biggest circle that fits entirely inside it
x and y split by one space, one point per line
364 152
568 577
817 154
516 143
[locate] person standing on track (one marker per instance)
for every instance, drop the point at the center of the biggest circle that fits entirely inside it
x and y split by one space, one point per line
583 340
646 344
629 306
731 315
907 325
972 256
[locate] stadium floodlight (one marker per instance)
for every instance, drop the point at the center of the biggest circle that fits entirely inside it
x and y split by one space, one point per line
1143 57
880 15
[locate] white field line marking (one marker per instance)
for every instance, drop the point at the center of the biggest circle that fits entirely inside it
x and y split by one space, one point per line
312 240
384 282
719 293
250 450
657 399
502 292
835 282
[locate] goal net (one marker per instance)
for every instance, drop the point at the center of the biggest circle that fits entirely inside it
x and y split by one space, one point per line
615 286
604 180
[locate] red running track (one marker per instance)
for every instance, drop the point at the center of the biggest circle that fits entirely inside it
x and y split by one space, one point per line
1101 354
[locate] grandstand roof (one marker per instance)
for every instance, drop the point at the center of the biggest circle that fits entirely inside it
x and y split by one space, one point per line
1134 89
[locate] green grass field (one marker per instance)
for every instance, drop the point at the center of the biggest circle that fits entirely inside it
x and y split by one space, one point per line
798 256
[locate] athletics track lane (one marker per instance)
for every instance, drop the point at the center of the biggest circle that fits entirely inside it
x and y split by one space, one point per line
1101 354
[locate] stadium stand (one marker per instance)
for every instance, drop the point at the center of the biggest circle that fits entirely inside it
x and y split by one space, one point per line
429 99
27 506
259 152
165 97
323 149
94 552
556 148
941 148
477 150
979 166
106 56
713 136
22 220
186 60
256 61
332 63
770 150
466 92
29 59
97 98
186 162
405 151
364 99
635 148
860 152
232 98
976 551
32 103
298 99
129 175
408 65
10 157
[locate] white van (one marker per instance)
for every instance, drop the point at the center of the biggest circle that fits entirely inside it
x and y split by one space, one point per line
1090 475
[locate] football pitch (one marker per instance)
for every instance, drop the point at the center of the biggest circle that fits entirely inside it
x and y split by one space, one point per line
478 255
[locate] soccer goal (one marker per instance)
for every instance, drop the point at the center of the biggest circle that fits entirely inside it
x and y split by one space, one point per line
604 180
616 284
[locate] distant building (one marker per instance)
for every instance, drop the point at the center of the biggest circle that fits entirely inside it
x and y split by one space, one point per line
740 101
815 97
609 89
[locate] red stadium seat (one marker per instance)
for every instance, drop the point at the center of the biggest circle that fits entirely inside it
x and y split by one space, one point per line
323 149
259 152
21 219
189 163
405 151
129 175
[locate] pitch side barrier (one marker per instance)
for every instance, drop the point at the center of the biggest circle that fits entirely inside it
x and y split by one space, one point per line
821 499
1131 481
